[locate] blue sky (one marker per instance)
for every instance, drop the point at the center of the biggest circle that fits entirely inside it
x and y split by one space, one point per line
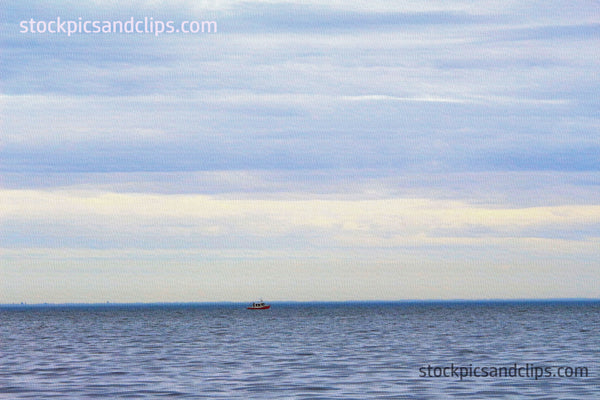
306 151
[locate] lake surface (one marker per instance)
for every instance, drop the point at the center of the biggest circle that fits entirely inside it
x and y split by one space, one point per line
301 351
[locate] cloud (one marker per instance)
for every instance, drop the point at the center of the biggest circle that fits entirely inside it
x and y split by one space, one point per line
284 131
454 87
90 246
97 218
553 32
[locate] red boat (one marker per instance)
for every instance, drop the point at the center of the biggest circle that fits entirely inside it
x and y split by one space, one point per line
259 306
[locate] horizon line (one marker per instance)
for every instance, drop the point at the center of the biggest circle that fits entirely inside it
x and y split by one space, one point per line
314 302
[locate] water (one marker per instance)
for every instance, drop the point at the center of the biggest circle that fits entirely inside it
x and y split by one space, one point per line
298 351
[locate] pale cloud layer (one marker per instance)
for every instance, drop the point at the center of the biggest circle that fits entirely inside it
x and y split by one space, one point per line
270 218
198 247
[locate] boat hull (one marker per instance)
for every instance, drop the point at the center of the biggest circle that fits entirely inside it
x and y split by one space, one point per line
259 308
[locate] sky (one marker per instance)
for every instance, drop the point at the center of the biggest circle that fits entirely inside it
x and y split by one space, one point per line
306 150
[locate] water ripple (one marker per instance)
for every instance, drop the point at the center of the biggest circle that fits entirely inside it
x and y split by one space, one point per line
329 352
